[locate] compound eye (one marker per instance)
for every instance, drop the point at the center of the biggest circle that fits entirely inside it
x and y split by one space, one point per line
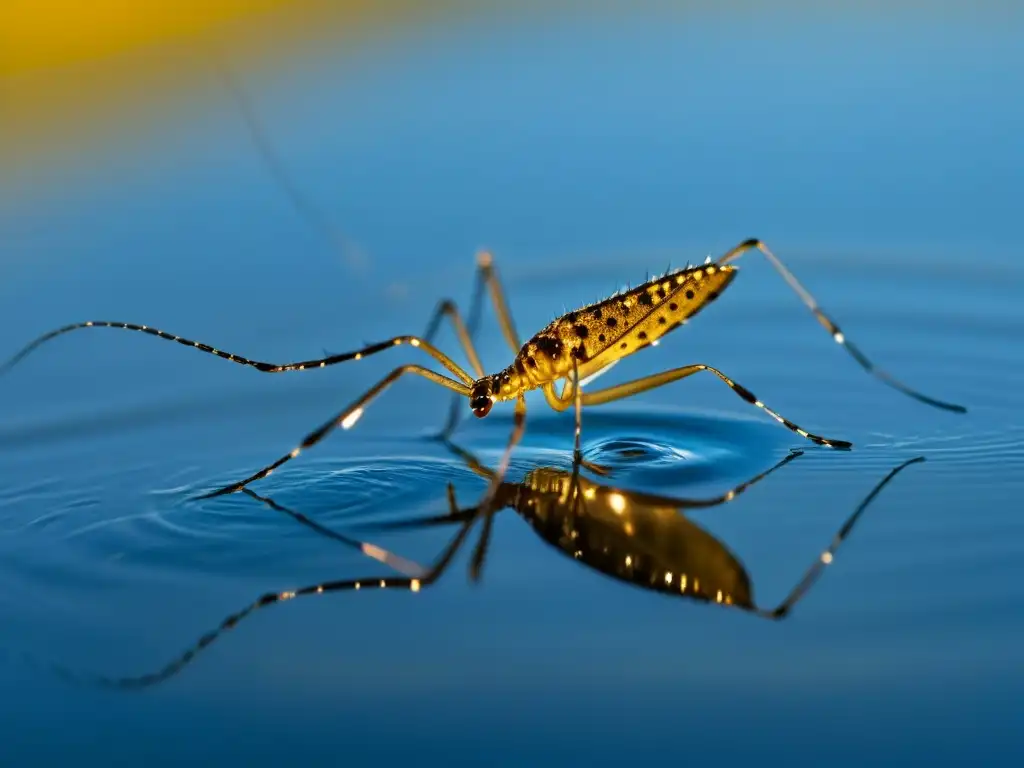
481 406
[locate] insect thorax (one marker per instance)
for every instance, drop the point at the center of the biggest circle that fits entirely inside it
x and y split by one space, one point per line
595 336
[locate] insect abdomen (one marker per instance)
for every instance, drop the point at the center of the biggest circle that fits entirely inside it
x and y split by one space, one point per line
623 324
597 335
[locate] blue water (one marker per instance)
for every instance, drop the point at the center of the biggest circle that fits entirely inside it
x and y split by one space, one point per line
878 153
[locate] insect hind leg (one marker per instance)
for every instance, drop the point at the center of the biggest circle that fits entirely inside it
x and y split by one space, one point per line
837 335
653 381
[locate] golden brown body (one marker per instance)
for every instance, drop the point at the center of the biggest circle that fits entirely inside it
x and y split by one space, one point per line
596 336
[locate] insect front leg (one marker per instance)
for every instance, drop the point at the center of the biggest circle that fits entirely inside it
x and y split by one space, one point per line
346 419
486 278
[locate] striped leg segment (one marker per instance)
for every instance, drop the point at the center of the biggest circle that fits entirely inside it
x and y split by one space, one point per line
838 336
261 366
346 420
825 558
395 562
486 278
428 577
667 377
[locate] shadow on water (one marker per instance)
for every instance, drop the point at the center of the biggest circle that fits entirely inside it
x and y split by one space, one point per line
642 539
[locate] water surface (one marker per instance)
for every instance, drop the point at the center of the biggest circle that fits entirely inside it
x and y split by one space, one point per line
879 157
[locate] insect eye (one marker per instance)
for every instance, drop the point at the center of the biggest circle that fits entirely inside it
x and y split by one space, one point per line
481 406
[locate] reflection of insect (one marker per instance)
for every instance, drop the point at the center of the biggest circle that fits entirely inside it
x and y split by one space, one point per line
640 538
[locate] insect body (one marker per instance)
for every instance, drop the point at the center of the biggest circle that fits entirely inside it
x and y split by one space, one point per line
592 338
572 349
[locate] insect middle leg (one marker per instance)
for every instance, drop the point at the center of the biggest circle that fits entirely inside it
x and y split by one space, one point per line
837 335
630 388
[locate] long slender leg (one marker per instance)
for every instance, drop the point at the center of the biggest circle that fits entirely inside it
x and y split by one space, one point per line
577 454
263 367
486 508
396 562
666 377
825 558
830 326
655 500
486 277
489 274
447 309
429 576
470 460
346 420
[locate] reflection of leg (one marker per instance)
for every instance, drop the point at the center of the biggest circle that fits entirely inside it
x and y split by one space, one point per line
681 504
637 386
486 508
633 497
814 572
271 598
469 460
838 336
577 454
396 562
345 419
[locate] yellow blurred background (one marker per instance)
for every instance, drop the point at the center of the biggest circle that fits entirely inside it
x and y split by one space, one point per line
78 76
